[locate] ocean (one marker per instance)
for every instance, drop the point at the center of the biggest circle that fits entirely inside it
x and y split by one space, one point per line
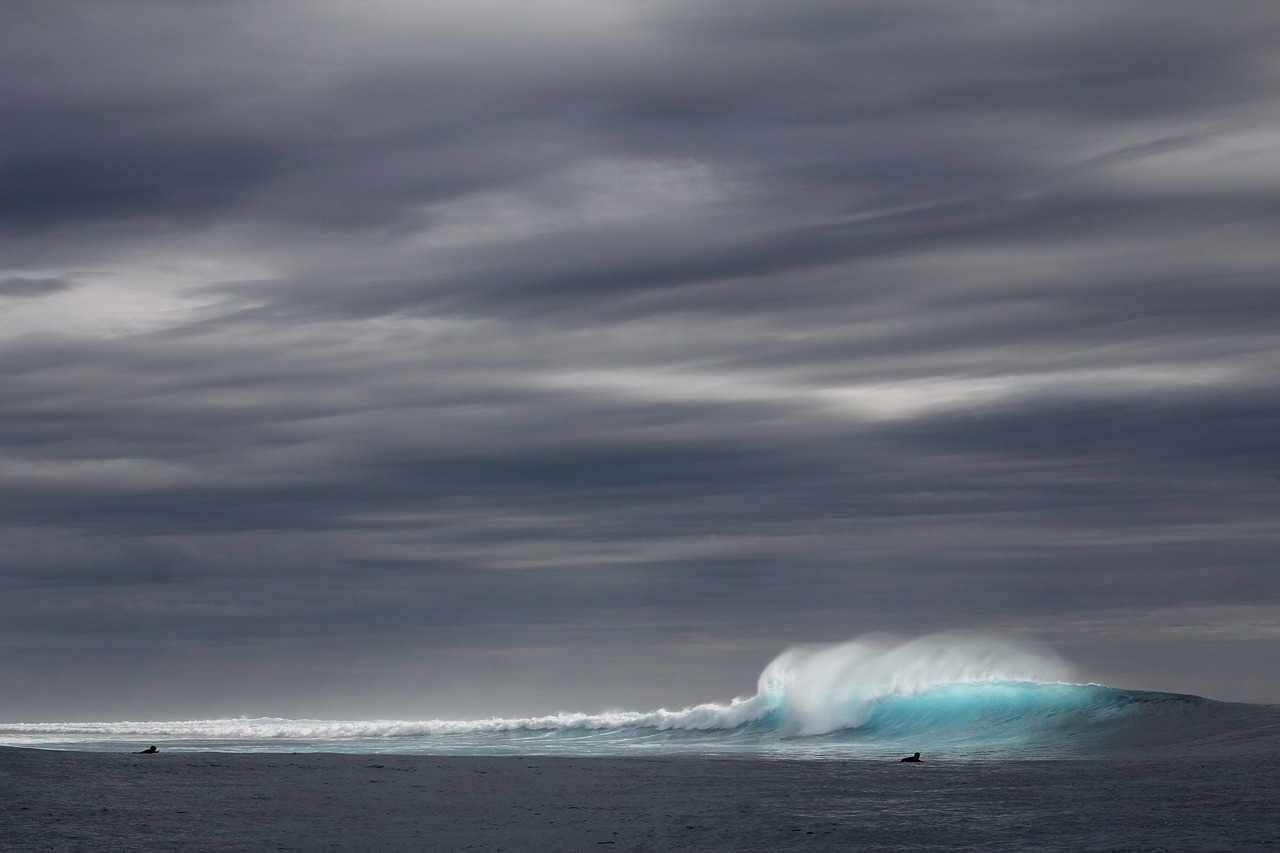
963 697
992 721
1012 758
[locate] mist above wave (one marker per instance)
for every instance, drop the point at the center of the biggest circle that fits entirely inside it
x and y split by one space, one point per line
821 689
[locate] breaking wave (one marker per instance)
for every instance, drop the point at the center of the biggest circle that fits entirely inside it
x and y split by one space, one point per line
966 694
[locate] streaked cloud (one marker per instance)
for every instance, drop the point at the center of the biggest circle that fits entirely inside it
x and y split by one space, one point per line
543 347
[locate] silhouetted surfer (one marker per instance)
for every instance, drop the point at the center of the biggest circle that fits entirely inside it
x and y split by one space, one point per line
152 750
915 757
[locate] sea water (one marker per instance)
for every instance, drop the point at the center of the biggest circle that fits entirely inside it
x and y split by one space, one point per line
1014 756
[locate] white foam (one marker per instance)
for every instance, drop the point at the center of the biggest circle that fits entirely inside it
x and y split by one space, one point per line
825 688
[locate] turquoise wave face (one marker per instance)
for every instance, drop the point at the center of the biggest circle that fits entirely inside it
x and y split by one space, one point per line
995 712
1000 716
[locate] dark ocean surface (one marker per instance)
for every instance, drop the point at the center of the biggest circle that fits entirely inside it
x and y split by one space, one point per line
809 762
62 800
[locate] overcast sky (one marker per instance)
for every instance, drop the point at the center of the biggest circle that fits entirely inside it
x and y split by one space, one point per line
435 359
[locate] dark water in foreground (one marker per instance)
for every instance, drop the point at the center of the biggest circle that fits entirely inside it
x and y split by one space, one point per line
200 801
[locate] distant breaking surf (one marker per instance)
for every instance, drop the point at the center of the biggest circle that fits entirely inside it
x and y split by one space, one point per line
963 693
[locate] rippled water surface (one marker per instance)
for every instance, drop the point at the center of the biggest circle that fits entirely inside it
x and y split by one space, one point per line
205 801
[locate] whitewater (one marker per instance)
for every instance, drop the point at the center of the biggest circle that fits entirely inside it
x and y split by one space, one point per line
952 697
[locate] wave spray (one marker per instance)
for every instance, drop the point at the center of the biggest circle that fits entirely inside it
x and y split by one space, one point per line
821 689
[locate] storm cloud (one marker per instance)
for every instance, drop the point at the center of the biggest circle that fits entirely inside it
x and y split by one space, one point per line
443 359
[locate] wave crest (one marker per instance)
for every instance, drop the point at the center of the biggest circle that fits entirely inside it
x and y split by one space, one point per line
821 689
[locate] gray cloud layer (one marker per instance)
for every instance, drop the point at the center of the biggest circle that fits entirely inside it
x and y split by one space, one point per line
398 359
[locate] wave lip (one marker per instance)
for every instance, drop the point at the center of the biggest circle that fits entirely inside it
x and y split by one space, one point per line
822 689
